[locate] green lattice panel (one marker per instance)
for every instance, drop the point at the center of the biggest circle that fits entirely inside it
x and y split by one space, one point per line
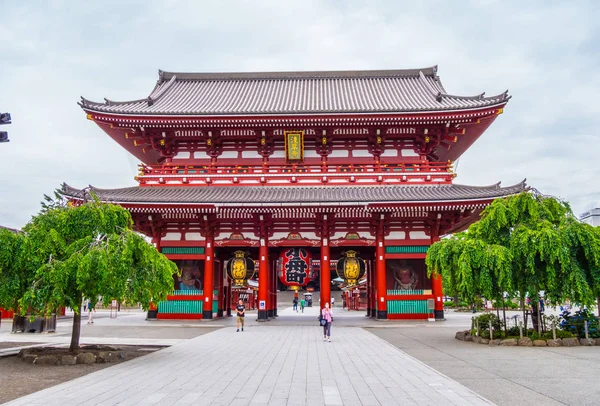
407 249
407 307
186 292
181 306
406 292
182 250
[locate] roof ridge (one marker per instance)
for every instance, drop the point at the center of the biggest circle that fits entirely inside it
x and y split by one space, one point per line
340 74
501 96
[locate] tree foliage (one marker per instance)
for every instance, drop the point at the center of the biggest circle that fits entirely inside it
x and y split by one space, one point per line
16 272
522 244
88 251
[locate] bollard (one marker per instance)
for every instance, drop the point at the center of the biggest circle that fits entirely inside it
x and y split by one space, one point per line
521 329
553 331
491 331
585 326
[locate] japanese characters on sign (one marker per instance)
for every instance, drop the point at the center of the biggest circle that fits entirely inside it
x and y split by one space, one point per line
294 145
295 266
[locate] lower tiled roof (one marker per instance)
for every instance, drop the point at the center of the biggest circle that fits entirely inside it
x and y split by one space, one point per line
239 195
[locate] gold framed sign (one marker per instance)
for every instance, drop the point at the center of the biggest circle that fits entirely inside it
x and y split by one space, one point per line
294 145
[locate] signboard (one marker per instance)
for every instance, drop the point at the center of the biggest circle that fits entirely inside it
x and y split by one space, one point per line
262 305
294 145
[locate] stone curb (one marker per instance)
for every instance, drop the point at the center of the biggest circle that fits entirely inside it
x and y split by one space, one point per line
527 342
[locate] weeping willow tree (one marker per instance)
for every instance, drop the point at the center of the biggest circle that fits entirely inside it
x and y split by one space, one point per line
89 251
523 244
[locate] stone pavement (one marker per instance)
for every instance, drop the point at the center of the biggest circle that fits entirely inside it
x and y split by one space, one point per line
266 365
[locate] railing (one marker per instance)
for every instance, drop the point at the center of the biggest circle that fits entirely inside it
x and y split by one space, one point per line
171 169
439 172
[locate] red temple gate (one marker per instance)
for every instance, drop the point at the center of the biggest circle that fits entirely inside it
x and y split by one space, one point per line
322 161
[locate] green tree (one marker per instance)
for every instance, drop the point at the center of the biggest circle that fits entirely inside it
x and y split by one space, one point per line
522 244
90 251
16 272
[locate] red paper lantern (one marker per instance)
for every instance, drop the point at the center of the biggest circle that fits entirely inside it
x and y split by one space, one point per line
296 267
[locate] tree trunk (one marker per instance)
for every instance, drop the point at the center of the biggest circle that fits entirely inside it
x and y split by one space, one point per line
76 330
598 303
524 315
18 324
535 319
504 314
457 302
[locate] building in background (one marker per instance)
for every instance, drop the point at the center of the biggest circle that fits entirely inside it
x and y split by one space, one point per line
591 217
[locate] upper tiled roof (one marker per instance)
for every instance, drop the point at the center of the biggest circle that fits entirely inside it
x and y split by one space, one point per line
236 195
413 90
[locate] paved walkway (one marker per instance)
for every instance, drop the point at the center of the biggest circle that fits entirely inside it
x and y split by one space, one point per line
266 365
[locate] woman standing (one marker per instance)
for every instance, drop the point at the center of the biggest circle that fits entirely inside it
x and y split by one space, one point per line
327 315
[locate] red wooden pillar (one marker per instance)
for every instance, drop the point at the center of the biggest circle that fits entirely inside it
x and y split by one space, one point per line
380 269
220 289
228 298
437 290
325 273
270 301
209 275
372 301
156 239
273 285
263 276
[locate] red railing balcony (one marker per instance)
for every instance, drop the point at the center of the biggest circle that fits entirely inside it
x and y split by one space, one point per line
436 172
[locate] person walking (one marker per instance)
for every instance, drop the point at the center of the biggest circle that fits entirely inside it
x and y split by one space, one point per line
302 303
295 305
327 315
91 310
332 301
241 310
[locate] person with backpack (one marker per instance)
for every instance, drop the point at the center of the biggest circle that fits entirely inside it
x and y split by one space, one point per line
327 316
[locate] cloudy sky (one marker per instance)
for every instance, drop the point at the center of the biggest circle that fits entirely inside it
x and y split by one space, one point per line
547 53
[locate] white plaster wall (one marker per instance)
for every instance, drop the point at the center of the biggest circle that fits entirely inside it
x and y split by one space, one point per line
396 235
182 155
390 152
201 155
251 154
229 154
193 237
311 153
409 152
340 153
171 237
361 153
418 235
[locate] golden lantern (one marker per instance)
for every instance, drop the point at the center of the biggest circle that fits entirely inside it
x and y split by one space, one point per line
350 267
240 268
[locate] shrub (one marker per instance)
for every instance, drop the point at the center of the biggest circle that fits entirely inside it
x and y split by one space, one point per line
449 303
513 331
484 324
575 323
